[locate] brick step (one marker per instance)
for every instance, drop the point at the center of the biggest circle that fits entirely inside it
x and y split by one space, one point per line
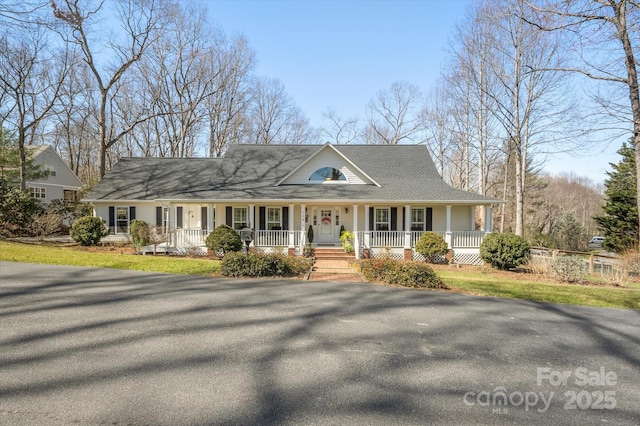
344 277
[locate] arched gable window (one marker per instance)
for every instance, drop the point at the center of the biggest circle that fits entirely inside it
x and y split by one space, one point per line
327 174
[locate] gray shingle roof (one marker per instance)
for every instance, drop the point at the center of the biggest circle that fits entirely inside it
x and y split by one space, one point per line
405 173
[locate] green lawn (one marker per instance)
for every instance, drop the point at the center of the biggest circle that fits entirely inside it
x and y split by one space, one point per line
55 255
487 284
477 282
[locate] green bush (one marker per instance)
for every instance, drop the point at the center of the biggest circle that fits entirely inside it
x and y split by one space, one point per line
376 269
139 231
310 234
88 230
224 239
17 210
570 269
405 273
263 265
432 246
504 250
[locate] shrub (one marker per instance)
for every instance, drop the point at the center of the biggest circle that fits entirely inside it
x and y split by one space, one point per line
45 224
139 231
17 210
504 251
571 269
405 273
310 234
224 239
432 246
263 265
376 269
88 230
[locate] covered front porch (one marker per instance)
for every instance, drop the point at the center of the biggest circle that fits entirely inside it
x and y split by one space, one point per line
379 230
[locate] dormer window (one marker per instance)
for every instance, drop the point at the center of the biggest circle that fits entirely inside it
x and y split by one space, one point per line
327 174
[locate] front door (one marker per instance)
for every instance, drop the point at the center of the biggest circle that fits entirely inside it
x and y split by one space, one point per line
326 226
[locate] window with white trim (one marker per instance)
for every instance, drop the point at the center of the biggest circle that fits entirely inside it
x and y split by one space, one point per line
417 219
240 218
122 220
382 220
273 218
327 174
38 192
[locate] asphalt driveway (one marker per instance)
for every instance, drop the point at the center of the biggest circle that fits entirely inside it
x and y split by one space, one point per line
96 346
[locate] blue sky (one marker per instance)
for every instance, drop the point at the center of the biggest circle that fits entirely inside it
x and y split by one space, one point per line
338 54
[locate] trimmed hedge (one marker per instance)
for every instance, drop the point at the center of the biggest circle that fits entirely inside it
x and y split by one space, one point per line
406 273
432 246
88 230
139 231
504 250
263 265
224 239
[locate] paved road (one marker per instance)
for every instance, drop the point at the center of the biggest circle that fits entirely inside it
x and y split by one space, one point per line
96 346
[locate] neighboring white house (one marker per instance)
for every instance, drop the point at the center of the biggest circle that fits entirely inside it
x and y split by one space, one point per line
388 195
59 182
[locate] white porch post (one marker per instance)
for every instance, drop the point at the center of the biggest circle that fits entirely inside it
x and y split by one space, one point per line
473 218
170 229
356 242
290 227
211 214
488 218
407 226
303 225
448 226
366 227
251 215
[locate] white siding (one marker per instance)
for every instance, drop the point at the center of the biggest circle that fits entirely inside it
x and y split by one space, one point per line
328 158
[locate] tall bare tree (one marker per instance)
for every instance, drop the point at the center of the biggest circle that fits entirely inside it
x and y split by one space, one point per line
604 36
530 100
274 117
338 130
139 22
31 79
394 115
227 106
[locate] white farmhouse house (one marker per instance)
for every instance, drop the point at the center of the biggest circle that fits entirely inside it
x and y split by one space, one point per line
388 195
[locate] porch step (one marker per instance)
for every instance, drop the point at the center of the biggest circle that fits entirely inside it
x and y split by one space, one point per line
332 264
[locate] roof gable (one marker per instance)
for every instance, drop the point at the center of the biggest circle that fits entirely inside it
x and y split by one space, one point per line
49 160
327 156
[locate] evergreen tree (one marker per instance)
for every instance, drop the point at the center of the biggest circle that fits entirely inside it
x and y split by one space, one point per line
10 161
570 233
619 223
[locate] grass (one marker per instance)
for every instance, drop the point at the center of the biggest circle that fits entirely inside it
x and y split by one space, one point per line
75 256
492 285
478 282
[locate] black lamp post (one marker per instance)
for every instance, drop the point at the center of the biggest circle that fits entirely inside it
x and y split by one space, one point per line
246 235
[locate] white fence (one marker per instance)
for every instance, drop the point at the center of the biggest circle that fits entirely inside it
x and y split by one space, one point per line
380 239
276 238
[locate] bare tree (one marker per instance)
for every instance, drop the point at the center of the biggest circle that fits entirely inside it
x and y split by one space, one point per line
31 77
394 115
139 21
530 100
339 131
227 105
606 39
274 117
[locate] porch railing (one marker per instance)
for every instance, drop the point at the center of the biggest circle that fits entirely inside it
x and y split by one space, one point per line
467 239
190 237
396 239
391 239
276 238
